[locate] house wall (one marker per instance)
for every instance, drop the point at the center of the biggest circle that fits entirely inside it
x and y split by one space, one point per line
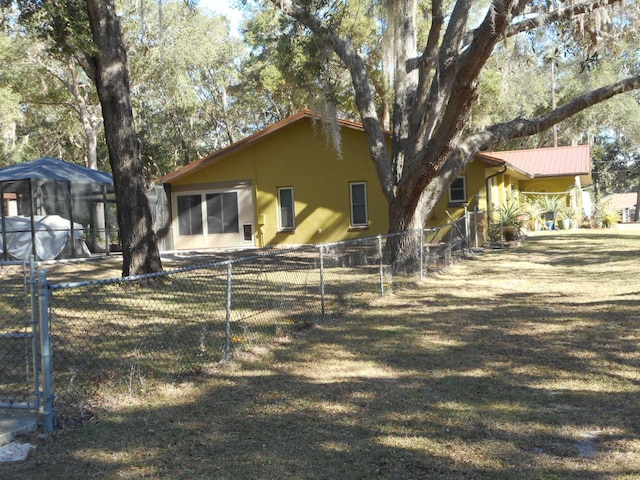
475 192
297 156
476 196
556 185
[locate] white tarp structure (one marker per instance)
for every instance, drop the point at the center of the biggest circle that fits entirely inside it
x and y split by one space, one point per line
46 206
52 235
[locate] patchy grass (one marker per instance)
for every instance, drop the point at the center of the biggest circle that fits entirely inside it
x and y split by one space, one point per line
519 364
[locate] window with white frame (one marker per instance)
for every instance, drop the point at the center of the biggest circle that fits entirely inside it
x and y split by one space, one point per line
222 212
218 211
287 214
458 190
190 214
359 214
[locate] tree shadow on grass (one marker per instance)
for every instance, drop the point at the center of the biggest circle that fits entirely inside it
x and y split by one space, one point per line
423 396
272 424
500 380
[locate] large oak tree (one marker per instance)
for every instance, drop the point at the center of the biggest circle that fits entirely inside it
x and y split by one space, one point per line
434 86
107 66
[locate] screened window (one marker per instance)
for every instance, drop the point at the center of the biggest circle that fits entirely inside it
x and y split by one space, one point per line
222 213
458 191
190 215
286 206
359 214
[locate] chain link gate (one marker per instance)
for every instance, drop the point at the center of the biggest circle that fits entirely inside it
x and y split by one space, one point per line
19 340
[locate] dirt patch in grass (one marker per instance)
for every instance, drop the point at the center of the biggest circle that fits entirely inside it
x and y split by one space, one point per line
517 364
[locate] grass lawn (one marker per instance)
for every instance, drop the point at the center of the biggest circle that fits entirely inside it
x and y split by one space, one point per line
518 364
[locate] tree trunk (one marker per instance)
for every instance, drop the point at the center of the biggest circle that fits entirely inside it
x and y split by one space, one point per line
90 120
402 250
408 213
139 246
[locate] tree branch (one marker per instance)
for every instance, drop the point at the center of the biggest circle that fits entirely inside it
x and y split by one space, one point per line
545 18
364 91
445 74
426 64
566 13
453 93
520 127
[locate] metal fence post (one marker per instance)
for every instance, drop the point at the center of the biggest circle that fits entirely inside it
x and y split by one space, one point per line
45 353
421 246
475 225
381 265
227 342
322 299
35 341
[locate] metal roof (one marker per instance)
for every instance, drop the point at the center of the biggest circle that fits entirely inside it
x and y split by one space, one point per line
47 168
547 162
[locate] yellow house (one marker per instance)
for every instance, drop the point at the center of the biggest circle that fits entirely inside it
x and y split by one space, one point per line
285 185
561 172
288 185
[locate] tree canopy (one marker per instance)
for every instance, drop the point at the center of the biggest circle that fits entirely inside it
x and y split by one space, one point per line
447 78
437 54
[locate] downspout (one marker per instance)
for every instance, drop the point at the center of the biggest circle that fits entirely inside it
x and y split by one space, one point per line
488 188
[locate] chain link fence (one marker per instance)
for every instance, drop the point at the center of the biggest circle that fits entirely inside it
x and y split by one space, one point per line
118 336
18 344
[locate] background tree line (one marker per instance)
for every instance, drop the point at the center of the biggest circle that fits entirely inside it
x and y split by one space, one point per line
196 87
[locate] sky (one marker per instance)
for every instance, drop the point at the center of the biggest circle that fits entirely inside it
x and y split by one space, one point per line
224 7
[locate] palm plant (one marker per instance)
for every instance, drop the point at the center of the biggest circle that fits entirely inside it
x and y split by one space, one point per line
532 210
605 215
507 226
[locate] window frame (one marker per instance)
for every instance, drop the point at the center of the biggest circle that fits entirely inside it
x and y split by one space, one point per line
228 223
291 210
364 204
202 208
194 228
462 189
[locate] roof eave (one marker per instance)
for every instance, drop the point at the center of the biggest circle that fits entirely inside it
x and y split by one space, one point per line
247 141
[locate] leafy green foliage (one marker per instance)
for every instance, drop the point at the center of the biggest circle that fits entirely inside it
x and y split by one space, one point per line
184 68
40 115
605 215
616 165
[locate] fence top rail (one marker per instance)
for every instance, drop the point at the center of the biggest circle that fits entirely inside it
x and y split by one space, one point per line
388 235
225 263
174 271
11 263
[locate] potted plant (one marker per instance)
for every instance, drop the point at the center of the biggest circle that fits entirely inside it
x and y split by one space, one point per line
550 205
509 218
532 212
565 215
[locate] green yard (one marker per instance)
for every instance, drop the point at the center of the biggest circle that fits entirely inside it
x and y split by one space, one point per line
518 364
